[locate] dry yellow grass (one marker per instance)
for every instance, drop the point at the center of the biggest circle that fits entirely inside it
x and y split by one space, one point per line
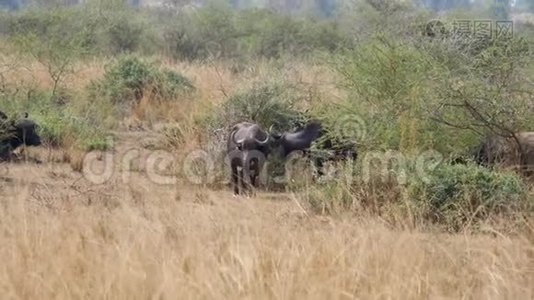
33 73
63 237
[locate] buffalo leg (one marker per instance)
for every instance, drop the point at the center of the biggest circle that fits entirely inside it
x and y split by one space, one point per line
253 180
254 169
252 187
235 179
248 173
242 177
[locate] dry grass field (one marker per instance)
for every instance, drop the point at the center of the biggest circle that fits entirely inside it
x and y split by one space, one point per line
64 237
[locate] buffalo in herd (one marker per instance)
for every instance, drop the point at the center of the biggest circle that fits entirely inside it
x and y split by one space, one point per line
515 150
249 146
15 133
302 139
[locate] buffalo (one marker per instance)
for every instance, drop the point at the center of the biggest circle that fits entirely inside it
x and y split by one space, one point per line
303 138
500 150
15 133
247 148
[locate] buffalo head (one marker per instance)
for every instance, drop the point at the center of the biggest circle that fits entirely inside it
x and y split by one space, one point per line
299 139
247 149
302 139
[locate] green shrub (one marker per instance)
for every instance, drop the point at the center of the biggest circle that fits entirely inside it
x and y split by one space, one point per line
59 125
268 104
124 34
463 195
401 189
61 27
126 81
421 93
101 28
389 84
208 32
217 31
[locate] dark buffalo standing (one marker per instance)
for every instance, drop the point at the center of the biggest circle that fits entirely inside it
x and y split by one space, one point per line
302 139
15 133
299 140
500 150
247 149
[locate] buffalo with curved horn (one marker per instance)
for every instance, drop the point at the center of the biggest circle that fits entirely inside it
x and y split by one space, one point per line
302 139
247 148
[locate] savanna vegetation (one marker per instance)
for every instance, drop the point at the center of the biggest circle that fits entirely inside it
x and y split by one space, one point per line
412 217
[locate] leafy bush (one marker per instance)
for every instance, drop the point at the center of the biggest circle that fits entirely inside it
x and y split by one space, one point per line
268 104
421 93
218 31
389 82
59 26
278 35
454 197
60 126
214 30
462 195
488 93
124 34
173 83
105 27
130 78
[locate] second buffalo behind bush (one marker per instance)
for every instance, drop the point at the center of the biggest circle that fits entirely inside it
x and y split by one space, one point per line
15 133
